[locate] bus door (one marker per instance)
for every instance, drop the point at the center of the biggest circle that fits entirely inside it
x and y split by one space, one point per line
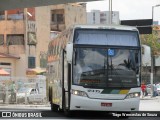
66 84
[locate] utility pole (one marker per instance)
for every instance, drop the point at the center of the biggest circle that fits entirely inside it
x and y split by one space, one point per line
110 11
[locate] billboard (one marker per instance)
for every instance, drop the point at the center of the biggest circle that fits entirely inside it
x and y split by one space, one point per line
144 25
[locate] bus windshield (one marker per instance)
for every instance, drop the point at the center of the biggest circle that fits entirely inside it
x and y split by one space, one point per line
110 67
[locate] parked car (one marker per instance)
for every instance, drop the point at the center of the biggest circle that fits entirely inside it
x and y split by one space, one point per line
158 89
31 95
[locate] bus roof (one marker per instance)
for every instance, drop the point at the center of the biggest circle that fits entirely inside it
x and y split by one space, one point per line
115 27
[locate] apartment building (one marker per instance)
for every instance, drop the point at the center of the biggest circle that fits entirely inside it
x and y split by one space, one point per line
25 34
102 17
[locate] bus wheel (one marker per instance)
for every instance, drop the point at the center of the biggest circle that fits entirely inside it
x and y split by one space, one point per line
54 107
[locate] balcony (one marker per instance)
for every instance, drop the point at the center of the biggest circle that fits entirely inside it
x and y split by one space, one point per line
12 26
13 49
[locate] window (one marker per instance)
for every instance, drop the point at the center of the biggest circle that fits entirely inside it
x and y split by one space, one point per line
15 39
1 39
57 16
31 62
94 18
115 67
2 63
2 16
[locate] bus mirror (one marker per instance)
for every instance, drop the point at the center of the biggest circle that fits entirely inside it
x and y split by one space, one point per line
69 50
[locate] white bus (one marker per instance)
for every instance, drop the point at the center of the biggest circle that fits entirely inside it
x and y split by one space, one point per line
95 68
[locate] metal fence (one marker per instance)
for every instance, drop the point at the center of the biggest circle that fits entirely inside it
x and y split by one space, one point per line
20 90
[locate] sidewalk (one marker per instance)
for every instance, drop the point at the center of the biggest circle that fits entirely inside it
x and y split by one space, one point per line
26 106
148 97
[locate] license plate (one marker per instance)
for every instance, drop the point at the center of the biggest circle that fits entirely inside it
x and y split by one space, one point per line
106 104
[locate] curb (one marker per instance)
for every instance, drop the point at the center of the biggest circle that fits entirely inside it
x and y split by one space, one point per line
149 98
16 105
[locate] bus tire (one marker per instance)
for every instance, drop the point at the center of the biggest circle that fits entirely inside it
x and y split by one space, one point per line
54 107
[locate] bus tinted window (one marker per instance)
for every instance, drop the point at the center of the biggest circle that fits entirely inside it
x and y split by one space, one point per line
106 37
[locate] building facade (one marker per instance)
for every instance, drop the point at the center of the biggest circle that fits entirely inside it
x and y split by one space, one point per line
102 17
25 34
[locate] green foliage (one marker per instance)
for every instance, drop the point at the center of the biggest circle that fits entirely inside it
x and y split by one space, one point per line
152 41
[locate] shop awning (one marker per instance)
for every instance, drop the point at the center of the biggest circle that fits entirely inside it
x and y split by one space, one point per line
34 72
39 71
3 72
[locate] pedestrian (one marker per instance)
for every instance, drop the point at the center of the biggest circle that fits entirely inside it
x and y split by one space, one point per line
13 92
143 88
154 91
4 92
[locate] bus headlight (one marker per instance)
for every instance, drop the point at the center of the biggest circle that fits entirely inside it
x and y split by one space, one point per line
79 93
133 95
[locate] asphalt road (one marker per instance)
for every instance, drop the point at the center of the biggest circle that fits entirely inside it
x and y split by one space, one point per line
148 107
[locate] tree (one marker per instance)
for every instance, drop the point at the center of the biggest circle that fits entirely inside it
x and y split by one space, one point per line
152 41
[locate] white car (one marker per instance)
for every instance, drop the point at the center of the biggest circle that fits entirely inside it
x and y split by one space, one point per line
29 95
158 89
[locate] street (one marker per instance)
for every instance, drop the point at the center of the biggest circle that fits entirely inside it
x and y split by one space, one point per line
146 104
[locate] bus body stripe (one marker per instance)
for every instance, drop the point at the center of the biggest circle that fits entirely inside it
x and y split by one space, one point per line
115 91
123 91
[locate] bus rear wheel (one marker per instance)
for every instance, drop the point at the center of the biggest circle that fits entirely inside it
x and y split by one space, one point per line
54 107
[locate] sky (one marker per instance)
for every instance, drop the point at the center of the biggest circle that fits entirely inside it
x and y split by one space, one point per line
129 9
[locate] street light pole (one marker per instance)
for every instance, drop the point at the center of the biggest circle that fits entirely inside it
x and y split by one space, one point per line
152 56
110 11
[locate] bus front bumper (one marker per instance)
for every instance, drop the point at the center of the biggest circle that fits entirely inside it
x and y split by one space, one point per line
87 104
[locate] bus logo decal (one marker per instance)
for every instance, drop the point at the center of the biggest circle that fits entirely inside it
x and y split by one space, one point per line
92 90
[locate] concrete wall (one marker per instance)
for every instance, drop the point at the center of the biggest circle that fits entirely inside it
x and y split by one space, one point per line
75 14
21 65
43 31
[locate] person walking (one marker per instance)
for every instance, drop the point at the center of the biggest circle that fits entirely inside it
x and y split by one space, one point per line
143 88
4 92
13 92
154 91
